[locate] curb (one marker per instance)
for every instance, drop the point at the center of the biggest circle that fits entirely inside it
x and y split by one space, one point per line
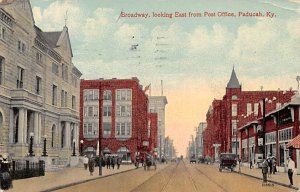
84 181
270 181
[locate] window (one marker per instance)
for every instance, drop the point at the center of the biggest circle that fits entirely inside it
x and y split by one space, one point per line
2 32
255 109
234 110
38 58
38 85
20 77
123 129
107 127
234 127
52 136
95 111
74 81
64 72
63 135
1 70
64 98
90 111
54 68
107 95
107 111
123 111
285 134
233 97
73 102
249 108
278 105
123 95
21 46
54 95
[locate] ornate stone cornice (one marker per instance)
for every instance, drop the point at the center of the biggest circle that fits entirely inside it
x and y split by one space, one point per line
6 18
47 50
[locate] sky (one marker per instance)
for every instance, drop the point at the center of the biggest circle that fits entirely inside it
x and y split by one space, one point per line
194 56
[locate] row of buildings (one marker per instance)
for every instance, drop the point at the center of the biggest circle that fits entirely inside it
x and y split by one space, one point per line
252 124
45 105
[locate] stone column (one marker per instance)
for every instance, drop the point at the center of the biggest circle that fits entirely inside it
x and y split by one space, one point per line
67 134
21 126
25 127
36 128
11 125
40 128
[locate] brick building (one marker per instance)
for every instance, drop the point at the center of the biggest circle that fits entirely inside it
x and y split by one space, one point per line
39 87
277 127
236 108
118 107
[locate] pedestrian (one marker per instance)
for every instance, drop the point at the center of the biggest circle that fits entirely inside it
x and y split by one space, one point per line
85 162
274 165
270 165
113 162
239 160
250 164
108 162
91 165
5 177
264 169
291 168
119 160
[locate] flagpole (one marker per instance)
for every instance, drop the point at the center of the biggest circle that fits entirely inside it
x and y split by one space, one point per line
162 88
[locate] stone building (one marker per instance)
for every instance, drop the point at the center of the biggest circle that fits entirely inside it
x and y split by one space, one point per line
39 87
157 104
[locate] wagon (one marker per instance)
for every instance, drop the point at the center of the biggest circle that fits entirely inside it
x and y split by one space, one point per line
227 161
150 161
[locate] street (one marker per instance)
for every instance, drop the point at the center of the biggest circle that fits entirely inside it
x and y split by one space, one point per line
178 177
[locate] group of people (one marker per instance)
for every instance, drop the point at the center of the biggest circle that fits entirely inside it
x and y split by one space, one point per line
110 161
269 167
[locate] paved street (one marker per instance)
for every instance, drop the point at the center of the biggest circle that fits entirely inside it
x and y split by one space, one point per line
178 177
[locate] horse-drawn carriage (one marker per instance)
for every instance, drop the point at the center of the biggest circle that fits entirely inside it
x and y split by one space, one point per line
227 161
150 161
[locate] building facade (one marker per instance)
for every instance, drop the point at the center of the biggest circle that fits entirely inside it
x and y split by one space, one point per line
157 104
118 107
199 139
270 133
39 87
226 115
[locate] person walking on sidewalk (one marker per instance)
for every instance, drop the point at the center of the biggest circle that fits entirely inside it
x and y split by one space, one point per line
119 160
291 168
113 162
91 165
85 162
264 169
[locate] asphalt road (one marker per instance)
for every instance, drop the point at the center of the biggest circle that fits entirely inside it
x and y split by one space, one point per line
177 177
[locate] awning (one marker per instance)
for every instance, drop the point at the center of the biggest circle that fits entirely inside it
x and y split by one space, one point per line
295 143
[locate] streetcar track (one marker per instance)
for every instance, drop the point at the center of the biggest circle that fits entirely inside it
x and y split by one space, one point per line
155 175
171 177
209 178
190 177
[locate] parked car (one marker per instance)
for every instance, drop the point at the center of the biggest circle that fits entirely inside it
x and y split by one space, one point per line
193 159
227 161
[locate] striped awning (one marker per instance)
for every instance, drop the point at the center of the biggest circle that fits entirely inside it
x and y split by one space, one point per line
295 143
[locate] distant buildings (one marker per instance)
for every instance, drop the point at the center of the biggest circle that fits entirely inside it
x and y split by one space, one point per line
118 107
157 105
235 109
39 87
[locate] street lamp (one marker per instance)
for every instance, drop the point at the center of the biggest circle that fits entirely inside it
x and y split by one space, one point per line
44 151
81 147
30 145
74 154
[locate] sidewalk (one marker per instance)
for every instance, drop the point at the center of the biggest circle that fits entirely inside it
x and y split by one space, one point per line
279 178
64 177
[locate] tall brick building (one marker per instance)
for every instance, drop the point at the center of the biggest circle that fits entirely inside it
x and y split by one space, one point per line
39 87
118 107
236 108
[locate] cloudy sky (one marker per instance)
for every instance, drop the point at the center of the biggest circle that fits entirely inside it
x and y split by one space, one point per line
193 56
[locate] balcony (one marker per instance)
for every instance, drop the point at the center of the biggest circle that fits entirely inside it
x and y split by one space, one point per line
22 94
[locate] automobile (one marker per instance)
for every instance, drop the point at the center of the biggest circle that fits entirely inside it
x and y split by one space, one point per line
227 161
193 159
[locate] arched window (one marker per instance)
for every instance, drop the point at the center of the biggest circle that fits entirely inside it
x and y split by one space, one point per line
53 135
63 134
